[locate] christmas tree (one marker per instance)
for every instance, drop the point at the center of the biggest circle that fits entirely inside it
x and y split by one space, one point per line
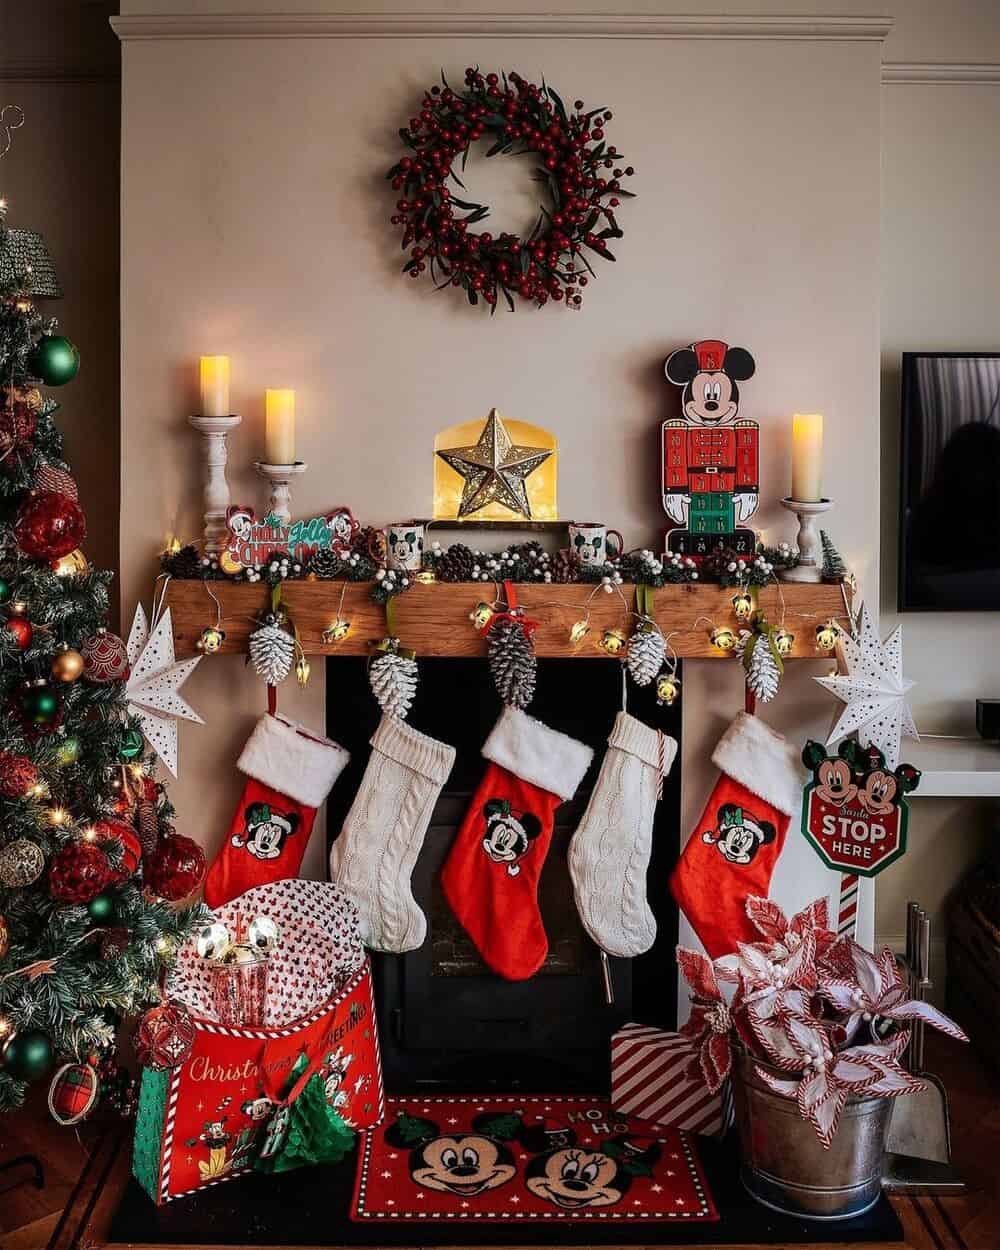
834 568
90 869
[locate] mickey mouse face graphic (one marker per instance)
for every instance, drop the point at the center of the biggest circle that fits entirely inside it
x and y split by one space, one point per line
461 1163
709 372
740 835
835 784
878 793
573 1178
508 836
265 831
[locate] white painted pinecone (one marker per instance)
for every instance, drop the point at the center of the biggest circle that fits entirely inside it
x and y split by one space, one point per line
393 680
646 651
272 650
763 676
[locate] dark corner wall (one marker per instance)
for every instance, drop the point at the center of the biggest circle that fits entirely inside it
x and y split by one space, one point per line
60 61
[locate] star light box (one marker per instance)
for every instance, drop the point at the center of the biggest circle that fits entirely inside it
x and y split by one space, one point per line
495 469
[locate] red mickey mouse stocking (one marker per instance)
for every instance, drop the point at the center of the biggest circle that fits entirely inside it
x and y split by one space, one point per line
290 771
491 875
732 852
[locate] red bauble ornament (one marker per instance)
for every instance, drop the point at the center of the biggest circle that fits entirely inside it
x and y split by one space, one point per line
176 868
78 873
164 1036
105 658
51 478
125 835
49 525
22 630
18 775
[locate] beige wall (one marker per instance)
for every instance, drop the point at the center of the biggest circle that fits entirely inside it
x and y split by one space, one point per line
254 223
59 61
940 292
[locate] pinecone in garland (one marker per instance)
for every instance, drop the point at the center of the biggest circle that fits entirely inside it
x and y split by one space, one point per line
184 564
761 662
272 650
325 563
456 564
563 568
645 655
148 827
393 679
512 662
367 541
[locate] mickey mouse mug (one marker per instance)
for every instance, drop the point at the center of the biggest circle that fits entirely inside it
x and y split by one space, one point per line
404 546
588 542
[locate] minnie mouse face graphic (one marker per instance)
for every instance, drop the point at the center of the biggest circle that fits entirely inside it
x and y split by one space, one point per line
739 835
265 831
573 1177
709 372
508 837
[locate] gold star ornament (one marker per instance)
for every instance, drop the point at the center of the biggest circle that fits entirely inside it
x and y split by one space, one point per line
494 469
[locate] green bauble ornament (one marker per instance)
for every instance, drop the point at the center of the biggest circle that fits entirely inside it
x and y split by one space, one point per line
27 1056
68 751
131 744
6 590
102 908
39 705
54 360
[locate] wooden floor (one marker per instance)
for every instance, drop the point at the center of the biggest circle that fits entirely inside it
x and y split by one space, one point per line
87 1168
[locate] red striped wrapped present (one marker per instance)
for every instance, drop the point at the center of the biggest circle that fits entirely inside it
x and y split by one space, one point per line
651 1078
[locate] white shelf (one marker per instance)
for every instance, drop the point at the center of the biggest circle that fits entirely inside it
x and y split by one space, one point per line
954 767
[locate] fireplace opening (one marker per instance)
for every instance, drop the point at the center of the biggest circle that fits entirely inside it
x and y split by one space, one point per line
447 1023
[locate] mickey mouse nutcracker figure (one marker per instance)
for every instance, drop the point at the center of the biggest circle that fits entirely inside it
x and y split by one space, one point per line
710 454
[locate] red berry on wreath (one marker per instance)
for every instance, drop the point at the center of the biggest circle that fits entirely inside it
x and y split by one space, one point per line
78 873
18 775
164 1036
49 525
176 868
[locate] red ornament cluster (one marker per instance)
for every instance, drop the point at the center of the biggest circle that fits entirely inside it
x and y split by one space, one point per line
18 775
582 173
164 1036
176 868
78 873
49 525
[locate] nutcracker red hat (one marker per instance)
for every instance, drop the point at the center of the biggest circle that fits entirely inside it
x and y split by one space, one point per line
711 354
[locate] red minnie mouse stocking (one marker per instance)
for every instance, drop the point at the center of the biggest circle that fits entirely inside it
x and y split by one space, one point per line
734 848
491 876
290 772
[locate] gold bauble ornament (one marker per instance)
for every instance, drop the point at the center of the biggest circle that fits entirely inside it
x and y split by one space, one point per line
66 566
21 863
67 665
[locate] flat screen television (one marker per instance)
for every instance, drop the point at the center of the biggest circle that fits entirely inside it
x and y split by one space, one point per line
949 526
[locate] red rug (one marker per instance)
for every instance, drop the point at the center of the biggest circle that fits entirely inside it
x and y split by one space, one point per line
525 1158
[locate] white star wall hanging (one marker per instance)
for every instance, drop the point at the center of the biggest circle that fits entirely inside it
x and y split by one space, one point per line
154 682
874 690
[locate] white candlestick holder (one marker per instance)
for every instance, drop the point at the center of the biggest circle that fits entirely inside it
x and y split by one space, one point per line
214 431
810 565
280 476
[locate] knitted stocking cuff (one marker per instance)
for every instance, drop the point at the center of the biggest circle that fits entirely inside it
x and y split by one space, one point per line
655 749
405 745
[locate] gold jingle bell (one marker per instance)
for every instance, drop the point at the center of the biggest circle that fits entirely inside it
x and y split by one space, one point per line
67 665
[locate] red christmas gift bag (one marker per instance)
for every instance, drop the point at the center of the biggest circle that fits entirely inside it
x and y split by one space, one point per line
207 1119
655 1077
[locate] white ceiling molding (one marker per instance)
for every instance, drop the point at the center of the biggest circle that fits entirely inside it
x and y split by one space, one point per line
435 25
939 72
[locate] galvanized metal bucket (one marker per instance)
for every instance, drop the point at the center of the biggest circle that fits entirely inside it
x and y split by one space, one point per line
783 1164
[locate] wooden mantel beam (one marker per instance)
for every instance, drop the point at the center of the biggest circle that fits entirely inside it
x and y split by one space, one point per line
434 619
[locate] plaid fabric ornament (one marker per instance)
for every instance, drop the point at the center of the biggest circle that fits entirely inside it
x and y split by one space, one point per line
73 1093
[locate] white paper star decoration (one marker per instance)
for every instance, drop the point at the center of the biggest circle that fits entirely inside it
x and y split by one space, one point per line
874 690
153 685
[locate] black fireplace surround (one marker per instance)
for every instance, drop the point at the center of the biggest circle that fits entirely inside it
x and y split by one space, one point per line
446 1022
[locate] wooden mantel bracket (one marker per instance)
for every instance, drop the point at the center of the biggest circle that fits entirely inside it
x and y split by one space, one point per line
434 619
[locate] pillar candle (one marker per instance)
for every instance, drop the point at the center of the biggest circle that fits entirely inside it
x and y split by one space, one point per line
214 377
807 456
279 432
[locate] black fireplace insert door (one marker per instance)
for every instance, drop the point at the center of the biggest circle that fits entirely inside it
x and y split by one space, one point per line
447 1023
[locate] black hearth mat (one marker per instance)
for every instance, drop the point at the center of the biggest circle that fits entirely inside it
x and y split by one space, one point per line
309 1208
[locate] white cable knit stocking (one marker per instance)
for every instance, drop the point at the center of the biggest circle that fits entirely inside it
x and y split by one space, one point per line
373 859
609 853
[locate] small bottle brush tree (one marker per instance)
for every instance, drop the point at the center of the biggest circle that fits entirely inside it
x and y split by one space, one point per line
82 943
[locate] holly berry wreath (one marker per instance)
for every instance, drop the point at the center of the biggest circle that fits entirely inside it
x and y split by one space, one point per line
521 117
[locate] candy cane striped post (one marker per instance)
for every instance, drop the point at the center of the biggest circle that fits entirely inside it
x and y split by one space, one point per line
847 919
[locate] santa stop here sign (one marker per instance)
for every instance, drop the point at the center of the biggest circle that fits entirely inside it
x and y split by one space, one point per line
854 811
